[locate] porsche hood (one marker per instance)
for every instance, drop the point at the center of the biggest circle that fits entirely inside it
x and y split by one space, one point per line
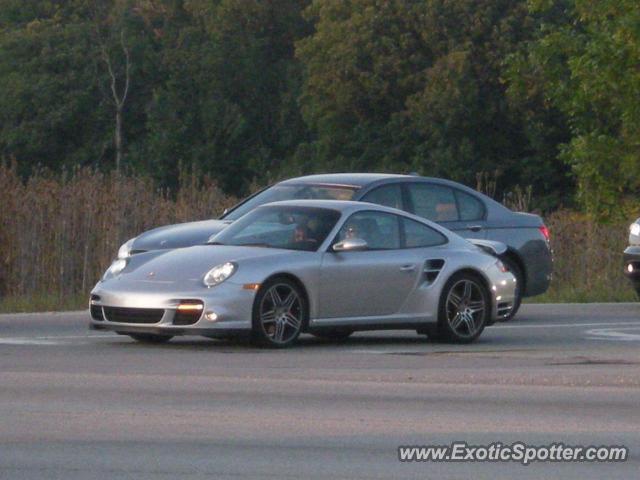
189 264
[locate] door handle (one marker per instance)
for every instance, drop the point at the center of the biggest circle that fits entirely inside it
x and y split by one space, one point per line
475 228
408 268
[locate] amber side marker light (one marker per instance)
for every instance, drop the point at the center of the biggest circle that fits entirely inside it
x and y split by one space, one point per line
190 307
251 286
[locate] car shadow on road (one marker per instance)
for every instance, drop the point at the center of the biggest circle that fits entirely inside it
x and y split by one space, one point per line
359 341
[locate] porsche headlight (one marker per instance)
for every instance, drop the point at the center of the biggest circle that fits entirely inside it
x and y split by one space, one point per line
116 267
219 274
125 250
635 229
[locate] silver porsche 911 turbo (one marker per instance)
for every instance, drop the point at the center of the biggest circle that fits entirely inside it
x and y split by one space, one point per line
324 267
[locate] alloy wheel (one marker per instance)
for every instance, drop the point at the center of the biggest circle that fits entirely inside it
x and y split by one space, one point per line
465 308
281 313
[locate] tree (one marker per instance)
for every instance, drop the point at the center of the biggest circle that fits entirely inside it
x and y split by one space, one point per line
65 70
229 100
109 25
48 112
586 60
419 86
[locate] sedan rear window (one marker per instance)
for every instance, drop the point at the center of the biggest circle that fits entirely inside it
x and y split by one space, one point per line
292 192
387 195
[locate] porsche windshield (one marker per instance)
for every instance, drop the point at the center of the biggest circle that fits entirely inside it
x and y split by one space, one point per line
292 228
292 192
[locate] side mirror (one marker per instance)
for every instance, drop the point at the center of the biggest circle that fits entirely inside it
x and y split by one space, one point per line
226 210
350 245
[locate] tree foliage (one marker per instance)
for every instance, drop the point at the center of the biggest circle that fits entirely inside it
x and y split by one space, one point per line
248 90
418 86
585 62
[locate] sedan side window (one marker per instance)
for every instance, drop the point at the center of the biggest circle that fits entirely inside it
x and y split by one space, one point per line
418 235
387 195
470 207
380 230
434 202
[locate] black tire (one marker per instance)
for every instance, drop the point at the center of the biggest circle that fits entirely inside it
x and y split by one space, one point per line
462 316
150 338
516 271
335 334
277 318
431 332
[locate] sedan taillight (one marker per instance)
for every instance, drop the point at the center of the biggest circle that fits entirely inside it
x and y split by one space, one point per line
545 232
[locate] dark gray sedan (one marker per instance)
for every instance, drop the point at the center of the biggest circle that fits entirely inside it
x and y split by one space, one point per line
452 205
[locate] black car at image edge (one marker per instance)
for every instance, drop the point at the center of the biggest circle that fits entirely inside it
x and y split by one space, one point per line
632 256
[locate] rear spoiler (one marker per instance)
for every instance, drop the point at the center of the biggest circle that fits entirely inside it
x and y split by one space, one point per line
492 248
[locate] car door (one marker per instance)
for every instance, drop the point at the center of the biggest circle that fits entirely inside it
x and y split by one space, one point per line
450 207
369 283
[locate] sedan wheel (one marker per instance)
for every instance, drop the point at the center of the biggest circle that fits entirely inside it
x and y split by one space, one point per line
464 309
279 314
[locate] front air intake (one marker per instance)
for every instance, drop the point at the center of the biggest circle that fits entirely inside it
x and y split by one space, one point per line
96 313
133 315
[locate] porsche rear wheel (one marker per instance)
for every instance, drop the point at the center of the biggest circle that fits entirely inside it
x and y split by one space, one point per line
464 309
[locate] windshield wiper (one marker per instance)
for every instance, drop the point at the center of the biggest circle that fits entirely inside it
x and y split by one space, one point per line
214 243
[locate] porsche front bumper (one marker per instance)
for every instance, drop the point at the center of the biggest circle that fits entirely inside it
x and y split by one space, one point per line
130 308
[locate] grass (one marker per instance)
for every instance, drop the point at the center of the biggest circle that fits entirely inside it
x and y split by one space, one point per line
43 303
569 294
59 232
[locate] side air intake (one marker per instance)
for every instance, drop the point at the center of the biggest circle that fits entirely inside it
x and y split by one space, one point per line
432 269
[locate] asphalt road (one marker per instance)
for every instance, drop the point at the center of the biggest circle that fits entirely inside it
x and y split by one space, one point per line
81 404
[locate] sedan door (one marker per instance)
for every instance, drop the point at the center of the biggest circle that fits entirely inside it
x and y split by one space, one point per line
454 209
370 283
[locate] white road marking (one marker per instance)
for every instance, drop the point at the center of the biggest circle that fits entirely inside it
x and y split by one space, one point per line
27 341
75 336
564 325
613 334
50 340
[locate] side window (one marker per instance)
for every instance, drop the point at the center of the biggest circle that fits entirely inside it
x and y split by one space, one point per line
387 195
470 207
434 202
419 235
380 230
